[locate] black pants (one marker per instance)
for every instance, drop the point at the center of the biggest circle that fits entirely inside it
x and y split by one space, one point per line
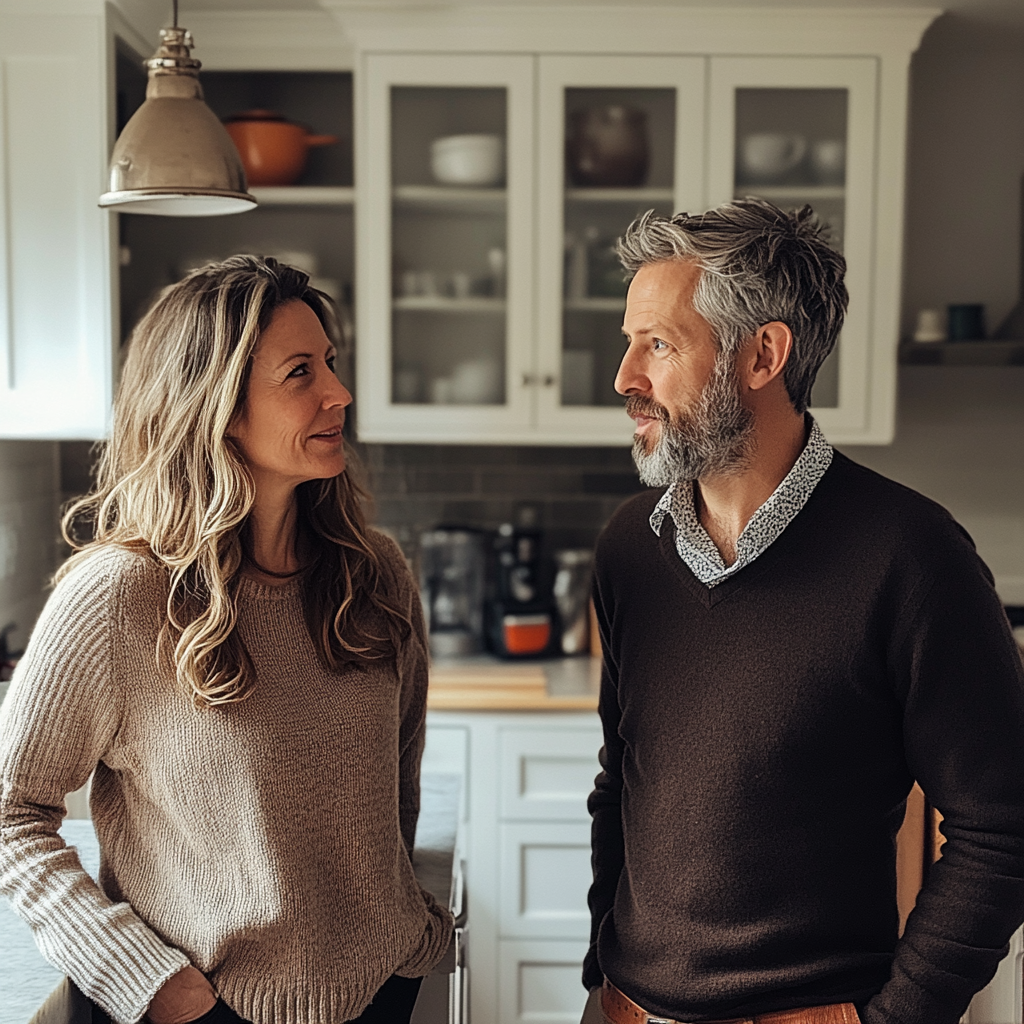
392 1004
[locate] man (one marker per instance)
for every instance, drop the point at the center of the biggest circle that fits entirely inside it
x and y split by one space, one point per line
790 640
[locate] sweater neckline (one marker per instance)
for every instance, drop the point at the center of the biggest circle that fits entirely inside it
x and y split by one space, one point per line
252 588
711 596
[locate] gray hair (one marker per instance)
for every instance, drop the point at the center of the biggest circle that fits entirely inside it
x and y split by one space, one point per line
758 264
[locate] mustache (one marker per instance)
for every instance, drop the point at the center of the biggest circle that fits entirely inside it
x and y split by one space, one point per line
639 405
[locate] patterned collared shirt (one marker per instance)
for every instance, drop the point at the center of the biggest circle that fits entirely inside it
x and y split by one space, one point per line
698 550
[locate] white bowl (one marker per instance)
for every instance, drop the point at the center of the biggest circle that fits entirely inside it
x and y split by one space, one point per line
468 159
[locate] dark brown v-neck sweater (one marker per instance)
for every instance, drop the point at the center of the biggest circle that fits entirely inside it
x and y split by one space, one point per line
761 738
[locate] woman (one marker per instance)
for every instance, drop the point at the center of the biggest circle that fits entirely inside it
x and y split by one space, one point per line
242 664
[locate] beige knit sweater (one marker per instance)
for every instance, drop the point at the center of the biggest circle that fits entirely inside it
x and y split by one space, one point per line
266 842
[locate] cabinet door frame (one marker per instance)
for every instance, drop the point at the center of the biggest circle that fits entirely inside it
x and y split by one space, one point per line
687 75
378 417
56 249
866 359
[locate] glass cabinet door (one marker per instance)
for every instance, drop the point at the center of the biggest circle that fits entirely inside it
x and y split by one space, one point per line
801 132
445 299
618 137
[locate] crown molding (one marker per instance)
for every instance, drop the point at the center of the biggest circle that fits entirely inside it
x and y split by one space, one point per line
270 40
621 28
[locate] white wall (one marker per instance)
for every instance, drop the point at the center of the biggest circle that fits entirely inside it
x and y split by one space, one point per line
29 500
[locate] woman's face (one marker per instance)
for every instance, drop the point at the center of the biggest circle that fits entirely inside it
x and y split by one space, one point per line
289 429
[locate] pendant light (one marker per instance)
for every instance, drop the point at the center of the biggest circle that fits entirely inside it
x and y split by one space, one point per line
174 157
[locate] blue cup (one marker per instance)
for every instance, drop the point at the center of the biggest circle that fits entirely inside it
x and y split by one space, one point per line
967 322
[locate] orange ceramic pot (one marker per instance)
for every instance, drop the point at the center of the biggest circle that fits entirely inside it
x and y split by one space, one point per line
273 150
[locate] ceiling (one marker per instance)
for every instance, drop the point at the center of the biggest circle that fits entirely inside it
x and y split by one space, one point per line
992 13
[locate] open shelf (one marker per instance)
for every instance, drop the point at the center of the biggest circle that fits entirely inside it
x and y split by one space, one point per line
619 195
790 193
443 304
304 195
962 353
450 198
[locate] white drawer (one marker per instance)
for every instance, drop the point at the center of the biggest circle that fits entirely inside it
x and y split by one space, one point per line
540 982
545 876
547 774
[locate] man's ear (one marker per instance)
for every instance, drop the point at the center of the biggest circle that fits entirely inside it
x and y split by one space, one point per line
767 354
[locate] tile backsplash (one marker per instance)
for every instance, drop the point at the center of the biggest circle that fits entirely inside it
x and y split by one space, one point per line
29 500
572 491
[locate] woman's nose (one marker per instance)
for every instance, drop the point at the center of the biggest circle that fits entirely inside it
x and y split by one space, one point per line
336 394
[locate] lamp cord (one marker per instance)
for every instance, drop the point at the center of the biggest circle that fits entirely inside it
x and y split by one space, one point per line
175 13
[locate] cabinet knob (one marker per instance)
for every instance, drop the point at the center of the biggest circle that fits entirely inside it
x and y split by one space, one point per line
546 380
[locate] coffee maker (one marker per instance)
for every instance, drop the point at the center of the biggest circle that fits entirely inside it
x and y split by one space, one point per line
521 620
452 587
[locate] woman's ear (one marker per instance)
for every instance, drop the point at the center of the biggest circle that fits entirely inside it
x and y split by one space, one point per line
768 353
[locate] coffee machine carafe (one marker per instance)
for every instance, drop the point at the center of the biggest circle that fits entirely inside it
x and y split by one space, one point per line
452 586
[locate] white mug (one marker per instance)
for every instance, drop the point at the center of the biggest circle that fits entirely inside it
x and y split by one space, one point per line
828 161
766 156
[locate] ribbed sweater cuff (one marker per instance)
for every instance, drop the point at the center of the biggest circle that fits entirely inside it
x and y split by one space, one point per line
117 961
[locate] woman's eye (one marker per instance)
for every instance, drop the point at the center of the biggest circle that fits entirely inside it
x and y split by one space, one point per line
330 362
300 371
659 344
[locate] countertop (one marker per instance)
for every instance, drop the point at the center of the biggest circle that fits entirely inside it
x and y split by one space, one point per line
485 683
29 979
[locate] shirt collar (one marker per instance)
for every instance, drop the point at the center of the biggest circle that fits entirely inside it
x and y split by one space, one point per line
698 550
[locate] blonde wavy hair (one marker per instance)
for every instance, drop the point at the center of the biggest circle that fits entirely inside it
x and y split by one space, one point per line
171 484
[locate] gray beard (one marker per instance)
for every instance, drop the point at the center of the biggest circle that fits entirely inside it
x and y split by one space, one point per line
714 437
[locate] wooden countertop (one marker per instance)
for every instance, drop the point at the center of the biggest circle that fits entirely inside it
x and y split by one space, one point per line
488 684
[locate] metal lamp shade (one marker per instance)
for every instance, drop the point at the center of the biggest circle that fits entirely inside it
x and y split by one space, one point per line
174 158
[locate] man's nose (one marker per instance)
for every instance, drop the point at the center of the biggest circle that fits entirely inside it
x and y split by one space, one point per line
631 378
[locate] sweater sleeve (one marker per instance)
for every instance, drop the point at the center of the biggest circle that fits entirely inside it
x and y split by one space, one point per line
58 721
604 804
959 676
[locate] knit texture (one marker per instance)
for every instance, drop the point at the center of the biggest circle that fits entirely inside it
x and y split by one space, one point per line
267 842
760 740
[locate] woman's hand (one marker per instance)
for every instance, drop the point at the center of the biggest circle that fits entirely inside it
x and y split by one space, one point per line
185 996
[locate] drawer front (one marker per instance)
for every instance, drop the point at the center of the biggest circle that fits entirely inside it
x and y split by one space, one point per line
540 982
547 774
545 876
447 750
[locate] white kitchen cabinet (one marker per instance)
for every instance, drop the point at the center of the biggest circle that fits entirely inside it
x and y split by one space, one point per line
707 80
826 108
445 289
56 300
540 982
527 855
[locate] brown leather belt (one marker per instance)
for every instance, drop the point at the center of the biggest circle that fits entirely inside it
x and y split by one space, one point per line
620 1009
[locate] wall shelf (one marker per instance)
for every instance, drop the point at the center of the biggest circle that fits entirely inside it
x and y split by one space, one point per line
304 195
619 195
597 304
791 193
443 304
962 353
450 199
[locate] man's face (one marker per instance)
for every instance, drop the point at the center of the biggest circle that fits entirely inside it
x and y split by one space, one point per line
683 395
